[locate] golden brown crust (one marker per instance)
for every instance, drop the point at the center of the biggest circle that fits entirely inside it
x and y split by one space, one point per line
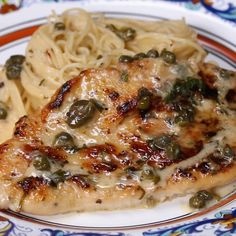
113 149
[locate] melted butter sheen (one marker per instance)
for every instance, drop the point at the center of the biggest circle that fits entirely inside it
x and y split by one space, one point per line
109 127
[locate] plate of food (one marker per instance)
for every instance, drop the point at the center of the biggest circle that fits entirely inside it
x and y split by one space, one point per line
117 118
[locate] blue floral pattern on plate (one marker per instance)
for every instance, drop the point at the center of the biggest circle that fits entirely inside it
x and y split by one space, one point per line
222 224
224 9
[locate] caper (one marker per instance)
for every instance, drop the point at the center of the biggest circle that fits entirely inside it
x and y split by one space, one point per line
142 92
147 173
182 98
181 119
13 71
63 139
200 198
161 142
166 143
139 56
3 111
150 175
126 34
194 84
224 156
225 74
204 194
144 98
59 26
59 176
100 106
173 151
15 59
213 167
41 162
131 171
80 113
153 53
144 103
197 202
14 66
125 59
185 116
124 76
228 152
71 149
168 57
111 27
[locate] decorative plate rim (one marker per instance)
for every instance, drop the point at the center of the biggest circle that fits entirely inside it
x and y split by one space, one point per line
193 218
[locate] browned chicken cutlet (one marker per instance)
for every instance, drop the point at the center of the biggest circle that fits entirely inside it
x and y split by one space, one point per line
119 137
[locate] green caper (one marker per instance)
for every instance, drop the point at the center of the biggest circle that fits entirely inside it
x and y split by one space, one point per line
225 155
204 195
80 113
150 175
41 162
15 59
225 74
144 103
197 202
13 71
111 27
181 119
161 142
125 59
139 56
173 151
99 105
63 139
200 198
142 92
14 66
131 171
59 176
185 116
3 111
168 57
153 53
228 152
211 167
144 99
126 33
59 26
124 76
166 143
71 149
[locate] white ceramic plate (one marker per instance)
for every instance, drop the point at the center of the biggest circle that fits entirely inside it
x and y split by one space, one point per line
216 25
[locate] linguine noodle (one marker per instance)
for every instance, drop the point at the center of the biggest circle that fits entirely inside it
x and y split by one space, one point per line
55 56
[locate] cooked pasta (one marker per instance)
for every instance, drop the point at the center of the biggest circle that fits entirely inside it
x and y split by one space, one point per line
77 40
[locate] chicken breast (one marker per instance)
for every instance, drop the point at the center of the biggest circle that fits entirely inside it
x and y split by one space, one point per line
123 137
